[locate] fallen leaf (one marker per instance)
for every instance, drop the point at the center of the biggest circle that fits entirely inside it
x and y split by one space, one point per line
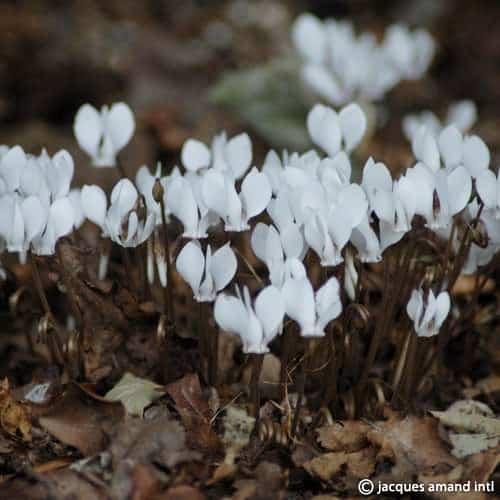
238 426
14 417
182 492
400 442
160 441
358 464
80 421
194 412
470 427
348 435
135 393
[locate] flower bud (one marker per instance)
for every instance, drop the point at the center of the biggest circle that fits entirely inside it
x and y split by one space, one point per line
479 234
158 191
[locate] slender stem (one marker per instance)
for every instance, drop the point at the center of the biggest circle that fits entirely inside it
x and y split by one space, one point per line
410 367
69 289
396 380
256 362
214 355
58 352
121 169
301 384
170 283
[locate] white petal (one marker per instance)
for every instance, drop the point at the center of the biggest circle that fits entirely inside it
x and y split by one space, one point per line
94 204
376 175
270 309
414 306
322 81
353 201
299 302
35 217
256 193
323 126
121 125
190 264
124 196
463 115
213 190
486 185
195 155
353 125
292 241
451 146
459 189
476 155
12 165
230 314
62 217
87 128
443 308
223 266
63 170
239 154
309 37
426 149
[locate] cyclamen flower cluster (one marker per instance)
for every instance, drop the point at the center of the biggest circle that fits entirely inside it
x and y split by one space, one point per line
37 205
312 205
340 65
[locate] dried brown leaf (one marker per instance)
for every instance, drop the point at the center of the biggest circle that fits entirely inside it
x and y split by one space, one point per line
81 422
348 435
14 417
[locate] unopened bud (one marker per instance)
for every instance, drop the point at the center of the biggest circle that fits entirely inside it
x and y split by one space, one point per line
158 191
479 234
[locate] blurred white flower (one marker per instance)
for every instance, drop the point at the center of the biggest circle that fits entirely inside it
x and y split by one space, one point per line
461 114
257 325
488 188
312 311
341 66
206 274
103 134
428 312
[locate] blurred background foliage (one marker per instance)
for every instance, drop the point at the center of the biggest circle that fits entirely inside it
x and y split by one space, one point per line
191 68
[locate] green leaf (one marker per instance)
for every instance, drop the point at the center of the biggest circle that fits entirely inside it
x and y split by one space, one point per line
272 99
135 393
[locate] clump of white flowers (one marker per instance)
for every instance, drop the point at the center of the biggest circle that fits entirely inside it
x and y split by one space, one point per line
311 228
341 66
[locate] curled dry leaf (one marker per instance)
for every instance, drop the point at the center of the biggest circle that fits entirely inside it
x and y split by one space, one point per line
14 417
471 427
194 412
135 393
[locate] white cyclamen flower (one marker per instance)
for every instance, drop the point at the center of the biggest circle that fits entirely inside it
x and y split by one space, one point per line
102 135
281 252
185 203
120 222
332 132
428 312
236 209
233 156
206 274
257 325
312 311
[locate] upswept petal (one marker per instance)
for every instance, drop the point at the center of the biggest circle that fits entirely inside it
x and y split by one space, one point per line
451 146
190 264
459 189
195 155
486 185
299 303
239 154
256 193
230 314
270 309
353 125
476 157
87 128
323 126
94 204
223 266
309 37
120 125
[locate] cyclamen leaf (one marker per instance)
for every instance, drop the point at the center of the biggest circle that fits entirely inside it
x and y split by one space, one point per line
135 393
